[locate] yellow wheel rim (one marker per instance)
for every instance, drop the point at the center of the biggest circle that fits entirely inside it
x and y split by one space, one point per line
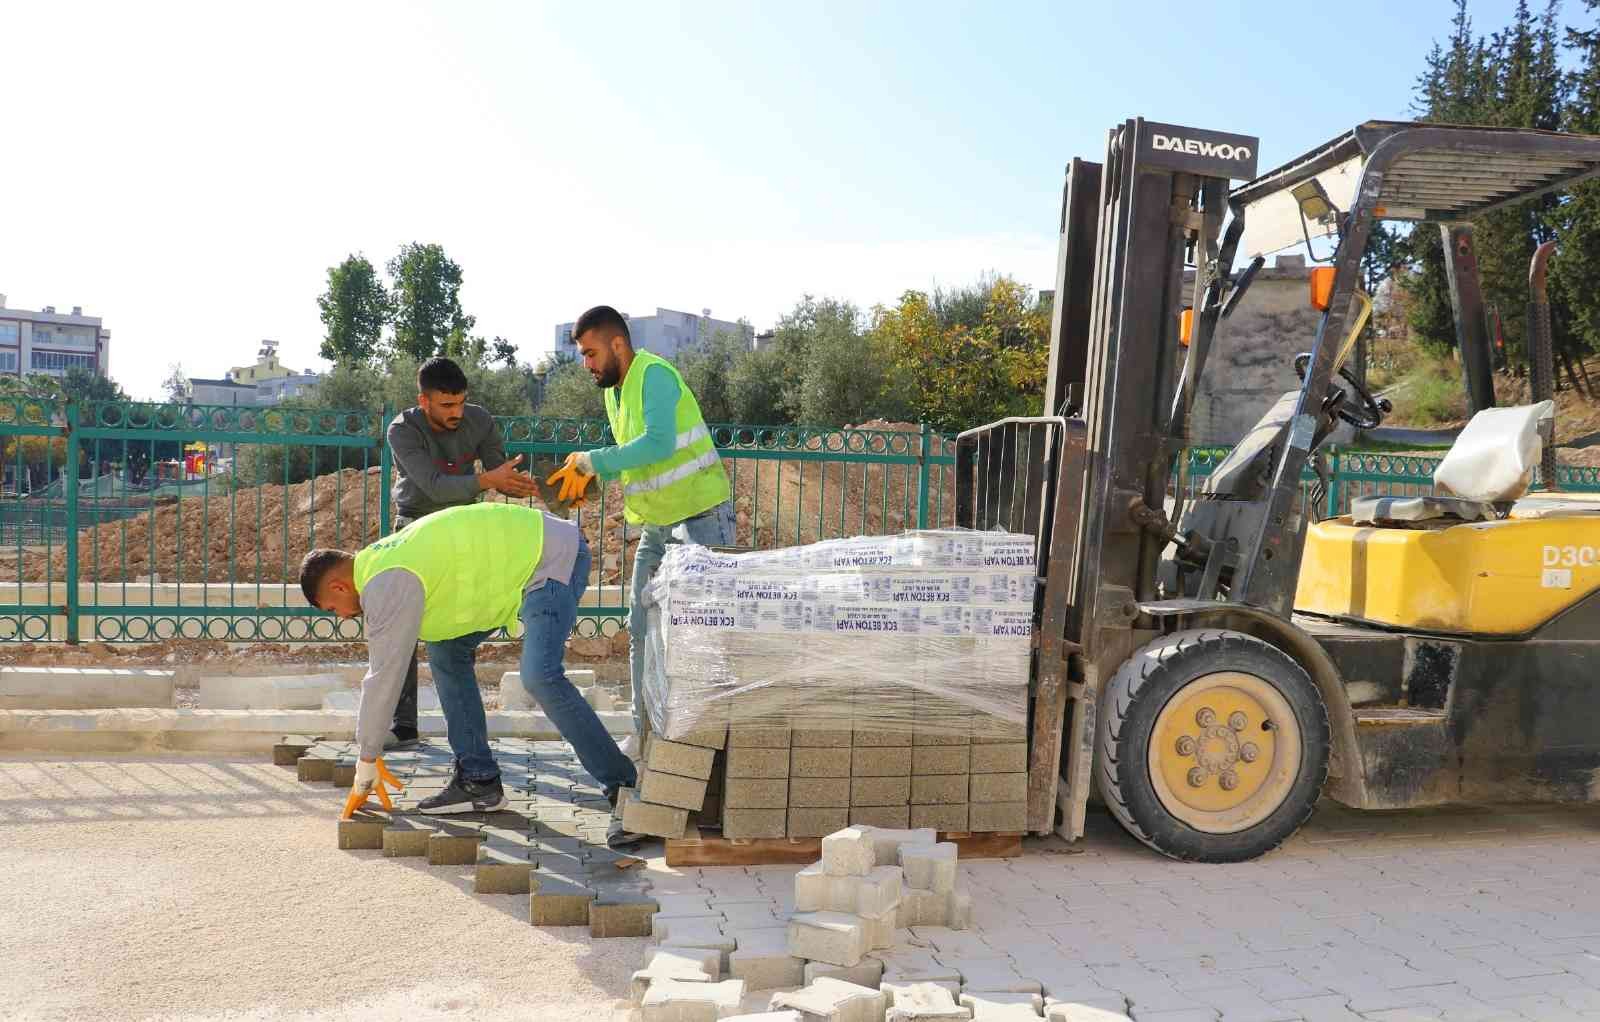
1225 752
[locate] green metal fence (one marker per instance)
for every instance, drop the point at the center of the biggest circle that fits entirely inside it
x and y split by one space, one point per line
121 551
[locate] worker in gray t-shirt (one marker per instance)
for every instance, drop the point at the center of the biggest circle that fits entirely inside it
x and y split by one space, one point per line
436 446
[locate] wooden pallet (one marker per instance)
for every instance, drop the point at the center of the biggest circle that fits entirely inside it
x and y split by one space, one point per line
694 849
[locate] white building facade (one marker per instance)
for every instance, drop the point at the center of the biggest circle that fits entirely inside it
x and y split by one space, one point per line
52 342
666 333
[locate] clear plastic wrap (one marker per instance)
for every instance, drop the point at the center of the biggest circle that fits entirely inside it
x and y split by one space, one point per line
928 632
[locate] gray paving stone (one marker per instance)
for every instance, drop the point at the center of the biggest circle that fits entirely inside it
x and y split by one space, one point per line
941 759
678 758
754 823
869 972
833 1000
743 737
816 763
817 821
756 793
837 938
757 762
1327 1008
663 789
670 1000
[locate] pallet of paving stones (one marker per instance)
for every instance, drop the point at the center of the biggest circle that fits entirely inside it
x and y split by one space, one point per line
549 844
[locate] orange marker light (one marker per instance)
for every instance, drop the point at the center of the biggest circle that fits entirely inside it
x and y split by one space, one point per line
1185 326
1321 287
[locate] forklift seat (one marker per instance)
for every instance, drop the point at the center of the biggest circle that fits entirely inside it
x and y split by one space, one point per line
1488 467
1409 510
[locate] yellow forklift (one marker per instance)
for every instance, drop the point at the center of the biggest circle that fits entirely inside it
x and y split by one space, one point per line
1211 664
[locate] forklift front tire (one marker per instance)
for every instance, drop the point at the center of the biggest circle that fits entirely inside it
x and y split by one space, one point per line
1212 746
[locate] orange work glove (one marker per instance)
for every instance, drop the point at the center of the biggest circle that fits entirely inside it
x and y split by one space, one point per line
370 777
575 476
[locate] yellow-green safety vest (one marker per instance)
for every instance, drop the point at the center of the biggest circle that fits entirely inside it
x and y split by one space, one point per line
689 481
473 562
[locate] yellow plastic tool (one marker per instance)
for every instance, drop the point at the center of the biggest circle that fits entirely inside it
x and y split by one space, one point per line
380 786
574 483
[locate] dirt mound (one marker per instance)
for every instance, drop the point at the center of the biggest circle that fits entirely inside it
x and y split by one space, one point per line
1577 416
260 533
787 503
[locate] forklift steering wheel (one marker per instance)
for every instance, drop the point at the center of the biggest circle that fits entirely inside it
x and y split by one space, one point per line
1365 411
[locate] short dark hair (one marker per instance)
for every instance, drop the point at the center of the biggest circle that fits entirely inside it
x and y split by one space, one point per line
607 320
315 566
441 376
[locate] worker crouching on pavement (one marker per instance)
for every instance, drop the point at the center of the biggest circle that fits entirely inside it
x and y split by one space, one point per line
451 579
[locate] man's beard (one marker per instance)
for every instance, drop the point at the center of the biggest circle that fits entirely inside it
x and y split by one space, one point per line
440 423
609 378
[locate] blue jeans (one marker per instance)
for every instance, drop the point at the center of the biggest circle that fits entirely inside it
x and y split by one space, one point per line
712 528
465 726
548 614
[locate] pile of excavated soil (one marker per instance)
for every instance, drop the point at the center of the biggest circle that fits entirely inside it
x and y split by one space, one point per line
1577 423
260 533
788 503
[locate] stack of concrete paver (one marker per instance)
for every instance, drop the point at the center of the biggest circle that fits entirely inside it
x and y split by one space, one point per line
805 783
676 778
874 932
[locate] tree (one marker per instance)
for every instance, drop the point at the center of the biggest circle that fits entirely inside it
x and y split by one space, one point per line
425 293
570 393
1511 79
755 388
503 351
1575 272
969 356
813 320
354 309
176 385
705 368
84 385
844 375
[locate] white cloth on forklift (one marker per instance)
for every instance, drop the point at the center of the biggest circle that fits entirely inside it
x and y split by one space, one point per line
1494 457
929 631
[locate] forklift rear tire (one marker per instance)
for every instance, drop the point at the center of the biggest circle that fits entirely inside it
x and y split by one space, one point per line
1212 746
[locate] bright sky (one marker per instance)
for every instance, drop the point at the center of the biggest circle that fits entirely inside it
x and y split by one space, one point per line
190 171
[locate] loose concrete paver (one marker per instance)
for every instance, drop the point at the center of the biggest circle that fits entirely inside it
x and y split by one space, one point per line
1466 913
833 1000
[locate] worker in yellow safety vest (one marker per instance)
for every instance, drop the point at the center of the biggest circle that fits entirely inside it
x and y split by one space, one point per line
673 484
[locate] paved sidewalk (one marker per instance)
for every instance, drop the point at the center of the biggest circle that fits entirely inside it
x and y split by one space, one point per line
199 888
1463 914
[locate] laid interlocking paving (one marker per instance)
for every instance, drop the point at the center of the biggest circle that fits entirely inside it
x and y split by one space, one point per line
549 842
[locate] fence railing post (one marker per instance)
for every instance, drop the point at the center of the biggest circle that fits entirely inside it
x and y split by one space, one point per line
385 468
70 489
1333 481
924 472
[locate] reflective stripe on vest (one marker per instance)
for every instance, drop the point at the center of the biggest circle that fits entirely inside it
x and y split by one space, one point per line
689 481
672 475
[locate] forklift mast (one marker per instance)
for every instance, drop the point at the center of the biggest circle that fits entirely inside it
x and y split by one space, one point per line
1090 480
